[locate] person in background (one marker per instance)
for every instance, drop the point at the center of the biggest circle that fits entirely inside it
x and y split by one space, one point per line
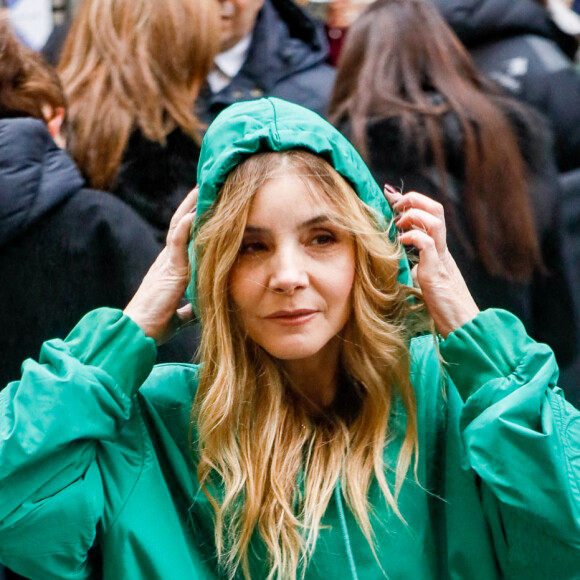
132 71
337 16
321 435
268 48
52 50
64 249
518 45
410 99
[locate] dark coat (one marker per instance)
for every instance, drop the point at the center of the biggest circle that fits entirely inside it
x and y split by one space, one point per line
571 252
516 43
543 305
154 178
64 249
287 58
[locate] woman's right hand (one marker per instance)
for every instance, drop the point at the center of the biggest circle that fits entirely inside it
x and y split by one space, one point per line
155 306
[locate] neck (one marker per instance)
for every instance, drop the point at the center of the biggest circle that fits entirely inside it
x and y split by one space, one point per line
316 379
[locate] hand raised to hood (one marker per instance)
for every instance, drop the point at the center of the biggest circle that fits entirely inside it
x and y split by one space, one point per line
421 223
155 306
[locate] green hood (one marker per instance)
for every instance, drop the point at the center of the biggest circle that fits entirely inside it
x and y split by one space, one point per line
276 125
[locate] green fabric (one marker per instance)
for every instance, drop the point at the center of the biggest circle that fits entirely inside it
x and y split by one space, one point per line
498 475
97 479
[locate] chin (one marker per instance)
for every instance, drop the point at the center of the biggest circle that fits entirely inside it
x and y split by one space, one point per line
227 39
290 352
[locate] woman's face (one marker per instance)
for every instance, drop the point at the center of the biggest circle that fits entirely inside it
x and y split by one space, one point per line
293 278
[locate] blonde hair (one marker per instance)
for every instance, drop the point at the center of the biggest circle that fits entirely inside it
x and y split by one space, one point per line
254 439
134 64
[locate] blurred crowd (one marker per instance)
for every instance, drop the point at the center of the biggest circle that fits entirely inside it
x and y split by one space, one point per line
475 103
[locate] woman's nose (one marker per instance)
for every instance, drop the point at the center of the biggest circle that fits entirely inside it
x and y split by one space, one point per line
288 272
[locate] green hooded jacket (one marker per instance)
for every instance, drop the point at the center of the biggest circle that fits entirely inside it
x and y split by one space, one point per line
97 478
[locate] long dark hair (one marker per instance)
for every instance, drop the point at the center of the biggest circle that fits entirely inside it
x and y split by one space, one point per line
397 55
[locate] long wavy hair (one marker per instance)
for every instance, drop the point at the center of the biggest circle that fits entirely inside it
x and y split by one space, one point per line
134 64
27 82
254 438
397 55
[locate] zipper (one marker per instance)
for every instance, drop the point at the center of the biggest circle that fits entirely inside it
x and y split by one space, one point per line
345 536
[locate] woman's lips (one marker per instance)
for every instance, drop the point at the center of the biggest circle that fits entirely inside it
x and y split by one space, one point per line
292 317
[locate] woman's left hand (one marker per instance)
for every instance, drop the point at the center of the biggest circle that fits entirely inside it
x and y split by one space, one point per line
421 223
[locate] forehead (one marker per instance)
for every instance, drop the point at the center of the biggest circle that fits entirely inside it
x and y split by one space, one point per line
288 197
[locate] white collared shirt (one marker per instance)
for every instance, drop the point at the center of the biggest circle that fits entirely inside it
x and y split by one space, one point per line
228 64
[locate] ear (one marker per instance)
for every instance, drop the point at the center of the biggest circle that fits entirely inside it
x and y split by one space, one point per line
55 123
54 119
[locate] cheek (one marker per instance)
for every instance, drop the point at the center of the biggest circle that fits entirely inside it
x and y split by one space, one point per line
235 287
242 286
340 280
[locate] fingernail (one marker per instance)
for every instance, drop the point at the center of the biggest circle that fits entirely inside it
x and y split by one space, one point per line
390 188
193 209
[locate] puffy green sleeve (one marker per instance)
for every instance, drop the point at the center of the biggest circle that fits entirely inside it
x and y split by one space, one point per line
522 439
52 422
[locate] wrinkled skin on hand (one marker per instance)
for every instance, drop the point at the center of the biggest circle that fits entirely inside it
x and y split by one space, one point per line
421 223
155 306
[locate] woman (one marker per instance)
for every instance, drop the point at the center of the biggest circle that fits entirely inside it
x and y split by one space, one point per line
530 48
132 70
321 435
410 99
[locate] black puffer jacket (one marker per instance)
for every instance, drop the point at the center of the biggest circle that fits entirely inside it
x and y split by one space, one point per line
543 305
64 249
288 58
516 43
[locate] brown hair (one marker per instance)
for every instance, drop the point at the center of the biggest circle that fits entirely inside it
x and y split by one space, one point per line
27 82
254 439
397 55
134 64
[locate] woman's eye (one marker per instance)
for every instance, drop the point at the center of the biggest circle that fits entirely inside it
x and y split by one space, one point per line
323 239
252 247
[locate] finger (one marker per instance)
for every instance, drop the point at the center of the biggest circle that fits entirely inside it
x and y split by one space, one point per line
414 199
393 196
180 319
414 276
186 206
185 315
178 239
424 221
429 257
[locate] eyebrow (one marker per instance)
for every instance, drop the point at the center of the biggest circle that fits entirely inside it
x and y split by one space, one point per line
319 219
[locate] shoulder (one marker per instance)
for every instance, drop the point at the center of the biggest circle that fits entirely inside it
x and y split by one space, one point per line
102 206
166 399
92 213
310 87
479 20
171 386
